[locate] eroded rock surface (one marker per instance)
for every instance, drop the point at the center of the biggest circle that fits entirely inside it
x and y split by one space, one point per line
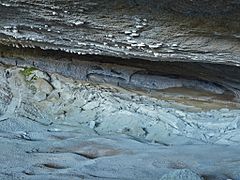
119 89
154 30
98 131
106 109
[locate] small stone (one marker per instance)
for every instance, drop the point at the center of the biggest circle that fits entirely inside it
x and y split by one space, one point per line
153 46
110 36
174 45
141 45
77 23
139 26
134 35
134 45
132 41
127 32
92 124
15 31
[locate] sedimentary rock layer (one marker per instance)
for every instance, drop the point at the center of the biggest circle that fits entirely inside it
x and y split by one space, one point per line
119 89
151 30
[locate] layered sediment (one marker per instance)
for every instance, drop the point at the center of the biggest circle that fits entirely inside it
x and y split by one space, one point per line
119 89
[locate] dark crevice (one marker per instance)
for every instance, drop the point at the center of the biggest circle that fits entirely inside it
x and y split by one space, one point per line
54 166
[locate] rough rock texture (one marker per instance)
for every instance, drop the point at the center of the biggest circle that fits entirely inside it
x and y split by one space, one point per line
183 174
99 89
164 118
81 130
145 29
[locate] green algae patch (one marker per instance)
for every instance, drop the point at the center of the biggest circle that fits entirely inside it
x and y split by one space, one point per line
27 71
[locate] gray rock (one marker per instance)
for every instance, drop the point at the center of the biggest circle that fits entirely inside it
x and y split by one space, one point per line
182 174
43 85
40 96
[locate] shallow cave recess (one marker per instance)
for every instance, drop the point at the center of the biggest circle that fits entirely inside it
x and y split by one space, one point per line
170 80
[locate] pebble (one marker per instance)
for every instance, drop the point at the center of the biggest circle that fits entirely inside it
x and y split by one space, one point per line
15 31
174 45
92 124
110 36
139 26
127 32
154 46
135 35
77 23
141 45
134 45
132 41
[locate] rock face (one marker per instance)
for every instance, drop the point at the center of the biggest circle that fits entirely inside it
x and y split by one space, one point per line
151 30
92 90
204 8
85 130
208 111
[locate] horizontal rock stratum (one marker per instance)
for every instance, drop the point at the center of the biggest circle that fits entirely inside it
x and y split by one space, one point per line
119 89
151 30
